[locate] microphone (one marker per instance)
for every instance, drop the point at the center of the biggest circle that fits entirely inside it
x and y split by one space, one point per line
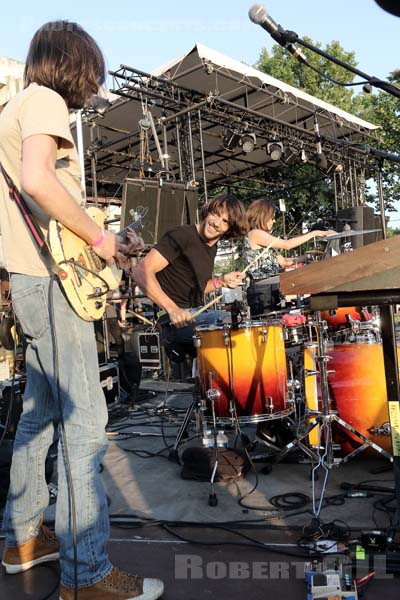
259 16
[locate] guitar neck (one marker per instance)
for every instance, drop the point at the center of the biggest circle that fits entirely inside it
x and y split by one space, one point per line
136 226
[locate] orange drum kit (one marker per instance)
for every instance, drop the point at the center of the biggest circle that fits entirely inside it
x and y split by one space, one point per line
299 367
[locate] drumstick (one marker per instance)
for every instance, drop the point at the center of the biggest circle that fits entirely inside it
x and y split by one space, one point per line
255 260
198 312
142 318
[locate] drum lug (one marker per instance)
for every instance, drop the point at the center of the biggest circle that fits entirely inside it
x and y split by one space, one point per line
197 341
270 404
264 334
213 394
384 429
226 338
309 373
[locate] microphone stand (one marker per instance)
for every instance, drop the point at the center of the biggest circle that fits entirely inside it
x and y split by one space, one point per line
291 37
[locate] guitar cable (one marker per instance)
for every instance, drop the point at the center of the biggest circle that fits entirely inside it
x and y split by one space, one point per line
70 486
75 264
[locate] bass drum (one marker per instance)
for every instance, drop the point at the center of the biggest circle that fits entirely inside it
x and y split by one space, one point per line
357 390
246 370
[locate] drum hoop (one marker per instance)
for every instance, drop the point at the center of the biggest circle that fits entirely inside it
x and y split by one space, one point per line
243 325
248 419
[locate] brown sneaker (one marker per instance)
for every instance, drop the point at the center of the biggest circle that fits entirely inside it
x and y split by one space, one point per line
118 585
40 549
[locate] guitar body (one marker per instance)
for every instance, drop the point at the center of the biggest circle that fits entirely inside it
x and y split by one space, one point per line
85 277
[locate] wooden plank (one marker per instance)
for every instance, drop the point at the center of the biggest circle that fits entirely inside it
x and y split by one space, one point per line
376 266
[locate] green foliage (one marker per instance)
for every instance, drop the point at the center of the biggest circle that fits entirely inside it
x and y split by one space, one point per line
282 65
378 107
383 109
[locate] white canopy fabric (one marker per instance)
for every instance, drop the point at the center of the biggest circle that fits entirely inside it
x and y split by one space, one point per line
213 94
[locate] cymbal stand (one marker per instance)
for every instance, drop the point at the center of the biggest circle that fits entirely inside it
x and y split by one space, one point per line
195 406
212 395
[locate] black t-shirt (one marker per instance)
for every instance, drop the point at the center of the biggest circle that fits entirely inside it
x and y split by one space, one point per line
191 264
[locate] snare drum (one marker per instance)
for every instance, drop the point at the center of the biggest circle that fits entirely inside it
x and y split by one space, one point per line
246 370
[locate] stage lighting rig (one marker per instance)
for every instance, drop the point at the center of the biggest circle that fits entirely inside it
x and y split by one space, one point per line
231 139
275 150
248 142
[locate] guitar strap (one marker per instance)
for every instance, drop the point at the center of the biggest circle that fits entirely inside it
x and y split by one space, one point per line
31 223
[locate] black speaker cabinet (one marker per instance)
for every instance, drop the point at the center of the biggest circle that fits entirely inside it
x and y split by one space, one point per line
360 218
162 205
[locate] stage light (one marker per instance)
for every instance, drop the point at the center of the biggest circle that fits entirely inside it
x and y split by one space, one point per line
321 160
248 142
231 139
275 150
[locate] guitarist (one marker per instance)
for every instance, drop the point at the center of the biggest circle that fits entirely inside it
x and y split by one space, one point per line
64 68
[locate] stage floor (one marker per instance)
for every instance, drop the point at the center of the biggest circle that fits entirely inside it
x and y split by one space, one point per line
163 526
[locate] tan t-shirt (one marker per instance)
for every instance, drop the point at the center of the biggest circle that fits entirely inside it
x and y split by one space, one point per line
35 110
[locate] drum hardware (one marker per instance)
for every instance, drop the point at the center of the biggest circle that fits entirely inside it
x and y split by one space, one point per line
197 405
213 395
384 429
270 404
323 454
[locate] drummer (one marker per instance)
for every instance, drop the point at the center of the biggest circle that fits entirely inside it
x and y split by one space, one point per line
261 219
178 271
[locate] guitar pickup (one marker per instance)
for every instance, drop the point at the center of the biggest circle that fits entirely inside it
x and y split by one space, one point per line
96 263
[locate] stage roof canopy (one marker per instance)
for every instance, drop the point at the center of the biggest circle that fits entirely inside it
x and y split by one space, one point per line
207 118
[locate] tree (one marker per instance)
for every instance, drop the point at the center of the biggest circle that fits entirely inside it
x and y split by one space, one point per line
383 109
379 108
284 66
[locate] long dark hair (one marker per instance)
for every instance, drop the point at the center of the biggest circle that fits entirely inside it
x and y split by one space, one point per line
66 59
238 225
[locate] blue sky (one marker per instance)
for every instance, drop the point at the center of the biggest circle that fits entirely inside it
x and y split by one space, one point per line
146 35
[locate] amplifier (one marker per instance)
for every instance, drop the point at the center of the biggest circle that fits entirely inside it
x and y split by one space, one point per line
109 379
149 350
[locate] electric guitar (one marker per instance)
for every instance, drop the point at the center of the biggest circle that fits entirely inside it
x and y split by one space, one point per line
85 277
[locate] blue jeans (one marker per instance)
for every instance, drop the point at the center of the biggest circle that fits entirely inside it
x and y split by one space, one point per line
184 335
85 417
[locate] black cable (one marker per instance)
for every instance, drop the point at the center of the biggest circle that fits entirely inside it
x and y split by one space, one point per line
79 265
250 543
12 392
64 437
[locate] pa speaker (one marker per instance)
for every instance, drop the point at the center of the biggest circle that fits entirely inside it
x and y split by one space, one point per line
360 218
160 204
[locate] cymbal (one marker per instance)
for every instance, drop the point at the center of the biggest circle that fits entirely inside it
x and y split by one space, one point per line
344 234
